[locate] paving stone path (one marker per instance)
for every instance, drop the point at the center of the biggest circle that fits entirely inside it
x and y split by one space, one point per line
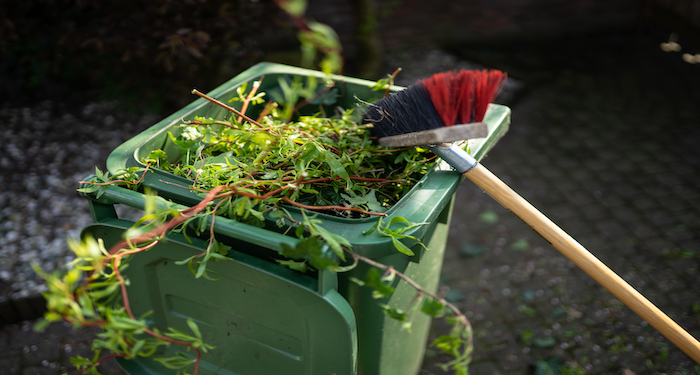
605 143
604 140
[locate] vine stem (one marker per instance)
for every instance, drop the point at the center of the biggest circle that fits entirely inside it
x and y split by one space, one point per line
286 179
127 306
342 208
417 165
234 110
219 122
235 191
389 269
391 82
162 229
266 110
116 256
253 91
415 285
100 361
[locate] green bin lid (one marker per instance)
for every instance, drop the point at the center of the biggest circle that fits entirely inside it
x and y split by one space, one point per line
262 318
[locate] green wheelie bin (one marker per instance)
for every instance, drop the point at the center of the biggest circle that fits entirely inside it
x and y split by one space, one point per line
364 339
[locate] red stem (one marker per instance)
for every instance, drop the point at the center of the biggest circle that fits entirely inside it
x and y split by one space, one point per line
127 307
234 110
100 362
341 208
247 100
161 230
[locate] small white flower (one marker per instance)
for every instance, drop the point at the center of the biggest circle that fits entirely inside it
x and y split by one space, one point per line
191 133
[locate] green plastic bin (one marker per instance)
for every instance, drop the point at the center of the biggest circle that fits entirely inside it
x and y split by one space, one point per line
382 348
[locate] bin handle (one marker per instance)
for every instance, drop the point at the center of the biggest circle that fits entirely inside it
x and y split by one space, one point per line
102 209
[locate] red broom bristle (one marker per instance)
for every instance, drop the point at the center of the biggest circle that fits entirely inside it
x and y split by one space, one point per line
445 96
488 84
465 81
464 96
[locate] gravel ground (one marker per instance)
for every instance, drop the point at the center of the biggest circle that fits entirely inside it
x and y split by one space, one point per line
47 148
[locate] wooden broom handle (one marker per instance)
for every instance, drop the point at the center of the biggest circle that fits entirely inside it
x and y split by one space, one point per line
584 260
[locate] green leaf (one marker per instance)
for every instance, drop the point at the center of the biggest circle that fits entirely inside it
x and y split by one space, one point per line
201 268
179 335
520 245
99 174
394 313
368 199
446 343
104 292
100 192
433 307
328 98
43 323
194 328
336 165
398 220
224 159
373 280
381 84
373 204
295 8
184 261
529 311
126 323
355 201
178 362
240 90
297 266
305 158
89 189
549 366
334 241
80 362
402 220
137 347
544 342
470 250
207 275
300 231
488 217
309 245
401 247
374 227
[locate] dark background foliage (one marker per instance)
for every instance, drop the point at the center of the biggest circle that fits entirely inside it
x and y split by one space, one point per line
148 51
150 54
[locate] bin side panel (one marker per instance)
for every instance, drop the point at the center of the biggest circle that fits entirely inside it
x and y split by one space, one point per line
259 321
384 347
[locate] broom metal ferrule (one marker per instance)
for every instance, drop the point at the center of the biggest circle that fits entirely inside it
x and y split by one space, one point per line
455 156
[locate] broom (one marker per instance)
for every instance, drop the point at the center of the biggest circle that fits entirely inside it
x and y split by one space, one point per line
435 104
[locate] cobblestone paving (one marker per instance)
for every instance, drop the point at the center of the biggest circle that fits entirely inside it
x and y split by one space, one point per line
608 150
603 141
24 351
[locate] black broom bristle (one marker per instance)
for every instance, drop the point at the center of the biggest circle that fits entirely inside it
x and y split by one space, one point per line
406 111
435 102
